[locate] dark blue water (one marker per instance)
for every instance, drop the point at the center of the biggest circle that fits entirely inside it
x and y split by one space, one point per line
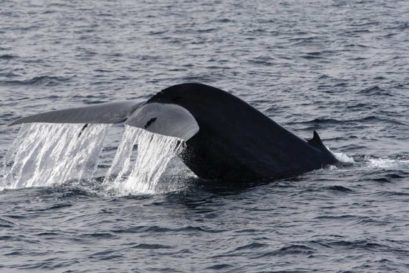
339 67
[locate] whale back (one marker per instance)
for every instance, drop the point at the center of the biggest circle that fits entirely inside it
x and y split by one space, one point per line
237 142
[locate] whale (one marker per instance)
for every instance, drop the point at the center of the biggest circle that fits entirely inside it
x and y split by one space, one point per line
226 139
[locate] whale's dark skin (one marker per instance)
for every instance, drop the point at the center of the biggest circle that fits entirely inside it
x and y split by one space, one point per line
226 138
236 142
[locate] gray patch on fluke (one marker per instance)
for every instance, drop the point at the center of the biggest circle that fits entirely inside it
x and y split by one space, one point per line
165 119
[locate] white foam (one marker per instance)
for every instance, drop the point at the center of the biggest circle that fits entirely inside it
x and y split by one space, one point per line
140 161
50 154
344 158
385 163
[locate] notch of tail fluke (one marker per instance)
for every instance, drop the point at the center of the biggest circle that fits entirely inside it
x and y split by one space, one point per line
115 112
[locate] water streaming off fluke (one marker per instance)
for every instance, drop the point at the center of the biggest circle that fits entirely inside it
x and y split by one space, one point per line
141 159
45 154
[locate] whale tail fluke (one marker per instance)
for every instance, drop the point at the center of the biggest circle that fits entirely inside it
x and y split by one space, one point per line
165 119
115 112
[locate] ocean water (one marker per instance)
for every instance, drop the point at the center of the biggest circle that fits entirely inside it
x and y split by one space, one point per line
338 67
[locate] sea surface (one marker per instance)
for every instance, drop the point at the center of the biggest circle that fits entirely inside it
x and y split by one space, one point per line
338 67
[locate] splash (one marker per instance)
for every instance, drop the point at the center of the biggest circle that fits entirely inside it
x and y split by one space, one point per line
141 159
46 154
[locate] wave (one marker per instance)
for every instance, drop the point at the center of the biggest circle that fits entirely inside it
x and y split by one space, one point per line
375 91
295 249
7 57
39 80
338 188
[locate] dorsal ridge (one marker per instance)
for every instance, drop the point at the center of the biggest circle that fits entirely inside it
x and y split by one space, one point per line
316 141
